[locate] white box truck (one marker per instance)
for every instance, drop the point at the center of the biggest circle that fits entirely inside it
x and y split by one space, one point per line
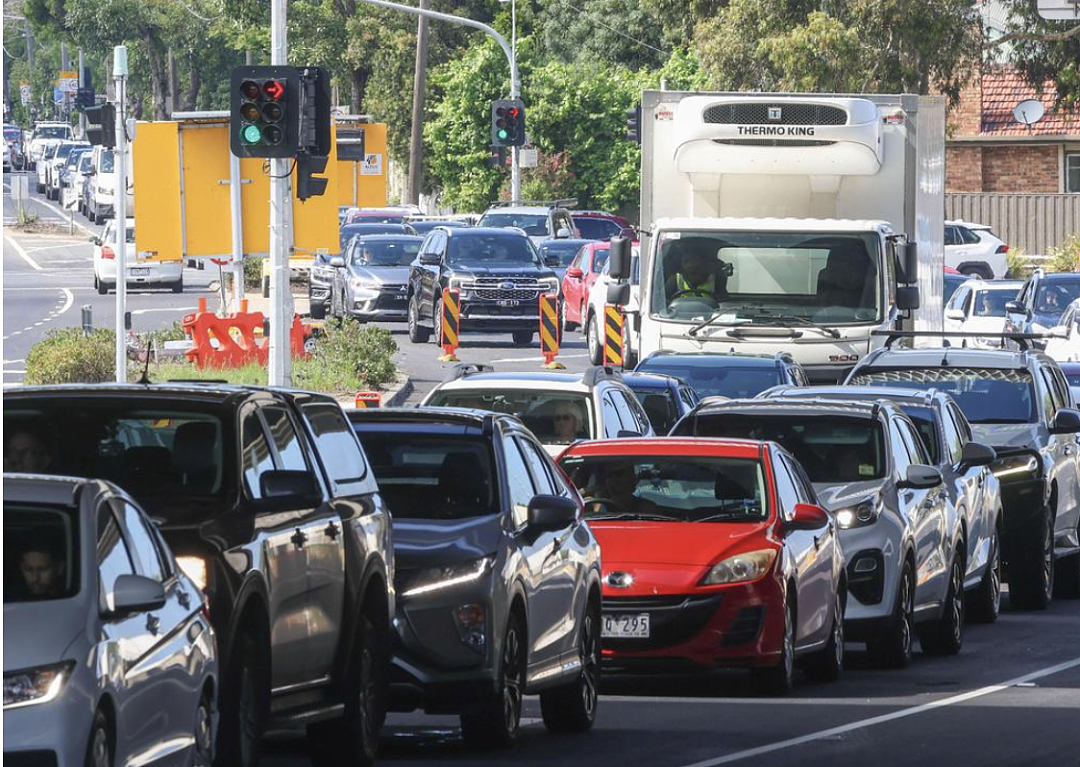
789 222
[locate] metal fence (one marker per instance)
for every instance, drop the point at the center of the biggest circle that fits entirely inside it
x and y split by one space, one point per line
1033 222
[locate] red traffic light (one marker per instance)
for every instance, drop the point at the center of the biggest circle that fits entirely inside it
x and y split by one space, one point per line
250 89
274 89
513 112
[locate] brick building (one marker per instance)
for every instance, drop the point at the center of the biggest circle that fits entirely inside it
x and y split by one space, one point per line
989 151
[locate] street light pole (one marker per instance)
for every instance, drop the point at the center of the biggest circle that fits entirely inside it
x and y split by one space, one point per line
120 71
515 83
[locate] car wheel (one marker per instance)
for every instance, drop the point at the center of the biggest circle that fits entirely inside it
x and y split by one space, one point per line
945 636
40 187
572 707
984 606
178 286
317 309
91 215
779 679
102 287
1067 575
892 647
1031 577
827 664
523 337
494 721
99 749
418 334
356 732
245 696
565 323
592 339
437 314
202 754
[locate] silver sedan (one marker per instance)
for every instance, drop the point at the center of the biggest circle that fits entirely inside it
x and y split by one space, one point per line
109 658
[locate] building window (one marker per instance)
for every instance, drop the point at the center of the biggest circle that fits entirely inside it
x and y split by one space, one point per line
1072 172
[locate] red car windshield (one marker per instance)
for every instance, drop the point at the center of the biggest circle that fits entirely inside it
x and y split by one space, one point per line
674 488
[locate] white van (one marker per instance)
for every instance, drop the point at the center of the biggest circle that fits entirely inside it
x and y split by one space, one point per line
101 202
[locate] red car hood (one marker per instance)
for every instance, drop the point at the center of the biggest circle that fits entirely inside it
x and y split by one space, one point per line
625 544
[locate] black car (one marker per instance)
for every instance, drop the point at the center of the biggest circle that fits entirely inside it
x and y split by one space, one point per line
726 375
1020 404
666 399
497 578
266 499
1041 302
499 273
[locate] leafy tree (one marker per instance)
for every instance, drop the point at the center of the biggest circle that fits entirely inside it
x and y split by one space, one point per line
1043 50
626 32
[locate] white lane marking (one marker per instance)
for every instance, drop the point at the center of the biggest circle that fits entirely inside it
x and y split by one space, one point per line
163 309
77 287
901 714
67 244
12 362
23 255
14 372
539 358
69 299
64 219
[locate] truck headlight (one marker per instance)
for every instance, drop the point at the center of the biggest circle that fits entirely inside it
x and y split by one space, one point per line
35 685
438 578
549 284
740 568
194 568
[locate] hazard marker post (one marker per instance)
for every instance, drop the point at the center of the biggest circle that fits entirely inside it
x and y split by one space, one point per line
368 399
450 324
549 331
613 336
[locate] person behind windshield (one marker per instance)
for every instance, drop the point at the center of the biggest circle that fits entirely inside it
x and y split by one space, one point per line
617 483
26 449
700 273
1051 303
42 570
566 423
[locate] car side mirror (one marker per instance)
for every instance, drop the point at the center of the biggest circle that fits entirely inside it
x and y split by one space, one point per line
1066 421
337 262
920 477
907 297
551 261
94 239
135 594
954 314
807 516
619 259
618 295
1015 307
551 512
288 490
430 259
627 434
575 272
563 234
977 454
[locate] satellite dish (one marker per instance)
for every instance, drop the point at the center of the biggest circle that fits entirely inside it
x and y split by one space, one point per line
1029 111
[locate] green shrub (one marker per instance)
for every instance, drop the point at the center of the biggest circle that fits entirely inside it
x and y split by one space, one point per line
1017 265
253 273
348 356
1067 257
71 356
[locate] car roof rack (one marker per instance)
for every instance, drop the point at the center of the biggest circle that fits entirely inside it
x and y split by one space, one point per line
466 369
598 373
1022 339
570 202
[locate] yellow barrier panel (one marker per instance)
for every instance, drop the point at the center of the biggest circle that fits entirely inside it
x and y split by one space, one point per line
549 331
450 324
613 336
363 185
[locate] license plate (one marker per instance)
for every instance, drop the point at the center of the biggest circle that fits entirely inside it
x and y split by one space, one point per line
626 626
139 271
508 302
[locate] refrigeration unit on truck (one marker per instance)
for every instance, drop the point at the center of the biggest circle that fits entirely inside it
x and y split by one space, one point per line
783 222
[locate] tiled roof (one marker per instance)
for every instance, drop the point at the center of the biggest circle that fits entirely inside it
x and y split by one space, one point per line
1002 90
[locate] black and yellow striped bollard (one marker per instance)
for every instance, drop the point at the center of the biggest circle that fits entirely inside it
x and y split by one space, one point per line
613 336
450 324
549 331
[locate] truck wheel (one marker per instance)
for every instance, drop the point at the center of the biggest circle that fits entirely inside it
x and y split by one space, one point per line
779 679
317 309
572 707
828 664
178 286
245 697
945 636
892 647
984 606
353 739
592 339
1067 577
523 337
418 334
494 721
1031 577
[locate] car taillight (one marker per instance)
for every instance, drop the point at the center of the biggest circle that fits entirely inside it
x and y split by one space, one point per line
107 252
1002 248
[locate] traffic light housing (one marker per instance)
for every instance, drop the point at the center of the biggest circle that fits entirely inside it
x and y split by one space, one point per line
315 110
84 98
101 125
633 124
307 185
508 122
264 114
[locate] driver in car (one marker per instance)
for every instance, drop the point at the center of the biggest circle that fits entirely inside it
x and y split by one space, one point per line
701 274
617 483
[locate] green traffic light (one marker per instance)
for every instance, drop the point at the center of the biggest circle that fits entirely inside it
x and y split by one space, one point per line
250 134
503 135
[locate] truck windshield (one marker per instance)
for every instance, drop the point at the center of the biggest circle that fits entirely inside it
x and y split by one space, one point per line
758 276
54 131
106 162
492 250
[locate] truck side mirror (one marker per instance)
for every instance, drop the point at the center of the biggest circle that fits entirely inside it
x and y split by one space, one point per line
619 259
910 262
907 297
618 294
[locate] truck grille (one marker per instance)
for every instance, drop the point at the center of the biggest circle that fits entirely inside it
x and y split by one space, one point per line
771 142
491 289
790 114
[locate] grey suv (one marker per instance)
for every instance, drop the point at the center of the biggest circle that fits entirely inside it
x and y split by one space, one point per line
1019 403
498 576
903 550
964 465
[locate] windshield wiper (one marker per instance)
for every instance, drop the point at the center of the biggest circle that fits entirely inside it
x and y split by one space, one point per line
774 319
729 515
640 517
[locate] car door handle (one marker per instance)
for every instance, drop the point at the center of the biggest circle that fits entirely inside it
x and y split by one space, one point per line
332 531
153 623
298 538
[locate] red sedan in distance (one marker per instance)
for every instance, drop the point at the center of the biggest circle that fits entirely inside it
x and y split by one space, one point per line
580 276
715 554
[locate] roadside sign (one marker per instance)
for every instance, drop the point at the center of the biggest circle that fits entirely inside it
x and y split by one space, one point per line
25 93
68 82
528 158
360 183
372 165
1060 10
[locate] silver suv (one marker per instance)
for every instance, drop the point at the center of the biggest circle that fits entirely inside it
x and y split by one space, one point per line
539 220
903 548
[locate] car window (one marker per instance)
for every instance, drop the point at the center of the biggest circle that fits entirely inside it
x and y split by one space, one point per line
339 451
283 433
954 441
592 228
660 408
537 467
112 555
255 453
967 236
960 423
554 417
966 307
923 418
612 422
518 482
951 237
1061 386
958 297
786 493
913 442
41 552
143 542
1046 394
638 412
901 454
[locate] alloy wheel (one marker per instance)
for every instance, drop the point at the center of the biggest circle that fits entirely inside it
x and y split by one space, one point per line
838 631
590 663
99 748
907 600
513 682
957 604
1048 557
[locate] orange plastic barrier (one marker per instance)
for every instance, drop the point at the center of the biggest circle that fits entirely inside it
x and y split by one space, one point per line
231 341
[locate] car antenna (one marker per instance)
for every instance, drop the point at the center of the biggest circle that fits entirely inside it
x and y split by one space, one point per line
145 379
945 357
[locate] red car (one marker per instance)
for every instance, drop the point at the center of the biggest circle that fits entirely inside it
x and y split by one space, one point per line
715 554
580 276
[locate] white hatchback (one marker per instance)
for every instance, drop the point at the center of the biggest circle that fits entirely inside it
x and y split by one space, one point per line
168 274
978 306
594 318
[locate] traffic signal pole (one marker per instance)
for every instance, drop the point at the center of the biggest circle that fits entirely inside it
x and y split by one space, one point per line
280 361
515 83
120 71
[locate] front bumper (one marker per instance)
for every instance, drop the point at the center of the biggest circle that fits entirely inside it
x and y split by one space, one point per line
54 733
872 563
390 305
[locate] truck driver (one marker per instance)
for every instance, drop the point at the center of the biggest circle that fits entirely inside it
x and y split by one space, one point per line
700 273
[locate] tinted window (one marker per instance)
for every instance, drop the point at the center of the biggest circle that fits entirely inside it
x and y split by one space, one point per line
900 452
41 553
951 237
538 467
112 555
985 395
1054 296
565 252
518 482
370 253
492 250
283 433
554 417
339 450
612 421
142 543
255 454
628 414
914 444
534 224
733 381
923 418
954 440
660 407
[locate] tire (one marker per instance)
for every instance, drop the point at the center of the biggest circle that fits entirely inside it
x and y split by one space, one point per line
202 752
1067 576
828 664
245 695
102 287
494 721
779 679
592 340
572 707
99 746
40 187
982 272
438 334
418 334
984 604
945 636
266 287
1031 577
566 324
353 739
317 310
178 286
523 337
892 647
91 215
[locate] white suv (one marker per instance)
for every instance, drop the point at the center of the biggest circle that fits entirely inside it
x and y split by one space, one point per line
559 408
539 222
594 315
974 250
165 274
43 135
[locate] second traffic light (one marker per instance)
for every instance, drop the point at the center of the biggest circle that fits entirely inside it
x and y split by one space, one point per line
508 122
265 111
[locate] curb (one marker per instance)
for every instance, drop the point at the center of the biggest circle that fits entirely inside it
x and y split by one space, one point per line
395 396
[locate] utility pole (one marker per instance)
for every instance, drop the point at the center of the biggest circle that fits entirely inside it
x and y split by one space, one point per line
416 145
120 71
82 114
280 362
515 83
65 65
